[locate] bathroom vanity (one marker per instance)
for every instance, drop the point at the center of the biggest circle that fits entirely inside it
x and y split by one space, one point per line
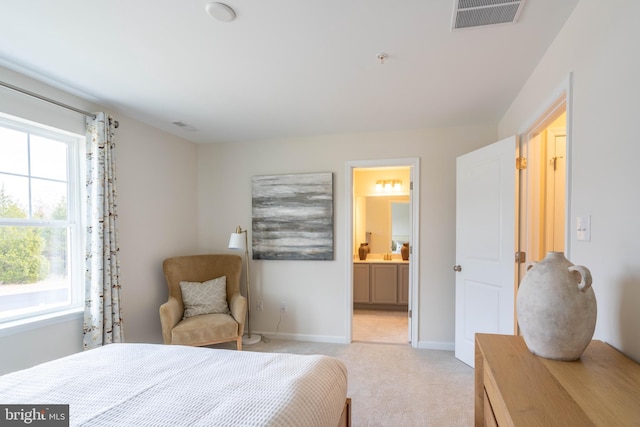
379 284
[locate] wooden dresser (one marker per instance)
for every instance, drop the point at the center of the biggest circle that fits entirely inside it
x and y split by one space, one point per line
513 387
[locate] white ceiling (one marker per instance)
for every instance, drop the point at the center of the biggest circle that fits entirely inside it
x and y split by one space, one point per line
283 68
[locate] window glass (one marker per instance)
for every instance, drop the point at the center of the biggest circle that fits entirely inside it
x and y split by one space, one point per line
48 197
40 224
48 158
15 154
14 196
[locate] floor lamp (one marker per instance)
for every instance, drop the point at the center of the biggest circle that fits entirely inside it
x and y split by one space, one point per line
238 241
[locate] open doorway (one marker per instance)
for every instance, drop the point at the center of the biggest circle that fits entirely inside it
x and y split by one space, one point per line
543 187
382 221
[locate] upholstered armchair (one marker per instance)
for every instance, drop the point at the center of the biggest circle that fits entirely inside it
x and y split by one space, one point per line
203 329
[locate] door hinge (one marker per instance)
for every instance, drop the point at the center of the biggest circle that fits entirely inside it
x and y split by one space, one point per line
411 185
521 257
410 312
521 163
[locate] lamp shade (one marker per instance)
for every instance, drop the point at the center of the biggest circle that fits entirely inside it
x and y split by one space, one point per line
236 241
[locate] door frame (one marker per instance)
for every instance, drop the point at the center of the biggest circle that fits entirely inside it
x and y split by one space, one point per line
414 267
560 99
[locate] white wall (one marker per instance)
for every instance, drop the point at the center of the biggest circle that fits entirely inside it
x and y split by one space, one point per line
157 207
157 180
599 45
316 291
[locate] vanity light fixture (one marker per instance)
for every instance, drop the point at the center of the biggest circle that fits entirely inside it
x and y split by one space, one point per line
388 185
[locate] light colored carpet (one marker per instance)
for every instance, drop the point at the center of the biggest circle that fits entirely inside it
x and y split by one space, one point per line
395 385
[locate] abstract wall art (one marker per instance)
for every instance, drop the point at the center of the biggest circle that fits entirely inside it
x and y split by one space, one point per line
292 216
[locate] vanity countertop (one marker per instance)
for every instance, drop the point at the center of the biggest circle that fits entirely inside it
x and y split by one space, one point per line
380 261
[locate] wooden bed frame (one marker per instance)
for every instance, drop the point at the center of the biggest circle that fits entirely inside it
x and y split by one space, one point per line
345 419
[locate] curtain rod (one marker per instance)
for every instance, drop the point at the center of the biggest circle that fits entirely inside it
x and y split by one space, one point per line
52 101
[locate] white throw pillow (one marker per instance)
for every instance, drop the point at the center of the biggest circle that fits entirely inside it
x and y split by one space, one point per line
205 298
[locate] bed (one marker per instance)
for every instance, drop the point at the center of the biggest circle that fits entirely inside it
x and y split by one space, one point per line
162 385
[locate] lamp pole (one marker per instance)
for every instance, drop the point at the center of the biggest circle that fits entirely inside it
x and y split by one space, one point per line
239 230
235 242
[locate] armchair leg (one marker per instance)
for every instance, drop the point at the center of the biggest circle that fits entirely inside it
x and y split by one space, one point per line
239 343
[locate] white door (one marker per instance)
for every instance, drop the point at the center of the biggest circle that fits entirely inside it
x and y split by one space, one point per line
485 244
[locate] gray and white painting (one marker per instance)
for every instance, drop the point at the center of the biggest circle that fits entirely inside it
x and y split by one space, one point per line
293 216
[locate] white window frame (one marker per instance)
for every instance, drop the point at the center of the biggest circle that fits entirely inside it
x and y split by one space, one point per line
75 223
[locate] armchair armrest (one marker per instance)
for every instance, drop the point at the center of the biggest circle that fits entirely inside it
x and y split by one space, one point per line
170 314
238 307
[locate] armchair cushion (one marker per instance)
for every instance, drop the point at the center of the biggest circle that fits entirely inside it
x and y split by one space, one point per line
201 330
208 297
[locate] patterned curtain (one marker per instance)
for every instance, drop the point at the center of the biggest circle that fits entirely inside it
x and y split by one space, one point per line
102 313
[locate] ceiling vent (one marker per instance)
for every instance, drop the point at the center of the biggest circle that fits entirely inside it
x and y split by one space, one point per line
477 13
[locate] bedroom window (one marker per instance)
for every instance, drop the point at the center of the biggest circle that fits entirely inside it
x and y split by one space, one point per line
40 221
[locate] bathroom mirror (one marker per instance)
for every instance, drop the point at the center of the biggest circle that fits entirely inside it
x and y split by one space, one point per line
386 219
399 224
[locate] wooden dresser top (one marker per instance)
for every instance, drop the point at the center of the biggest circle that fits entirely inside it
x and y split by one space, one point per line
602 388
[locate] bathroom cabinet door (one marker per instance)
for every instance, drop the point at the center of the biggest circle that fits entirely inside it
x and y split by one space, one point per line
361 283
384 283
403 284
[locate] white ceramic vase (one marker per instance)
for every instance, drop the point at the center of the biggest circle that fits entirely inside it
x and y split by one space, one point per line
556 308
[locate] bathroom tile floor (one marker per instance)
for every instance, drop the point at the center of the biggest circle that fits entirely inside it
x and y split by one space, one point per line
379 326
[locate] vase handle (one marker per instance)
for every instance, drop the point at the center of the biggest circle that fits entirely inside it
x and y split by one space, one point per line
585 276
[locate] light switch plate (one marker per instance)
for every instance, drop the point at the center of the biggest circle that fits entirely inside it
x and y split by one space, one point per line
583 228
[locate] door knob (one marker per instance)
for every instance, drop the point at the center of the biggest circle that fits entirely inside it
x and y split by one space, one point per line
457 268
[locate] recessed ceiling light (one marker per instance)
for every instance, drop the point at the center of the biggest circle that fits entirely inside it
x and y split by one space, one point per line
220 11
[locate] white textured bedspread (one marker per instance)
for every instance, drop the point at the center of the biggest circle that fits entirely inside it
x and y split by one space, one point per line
159 385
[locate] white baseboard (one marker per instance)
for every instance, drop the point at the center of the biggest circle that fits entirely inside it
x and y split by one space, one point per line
436 345
423 345
303 337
